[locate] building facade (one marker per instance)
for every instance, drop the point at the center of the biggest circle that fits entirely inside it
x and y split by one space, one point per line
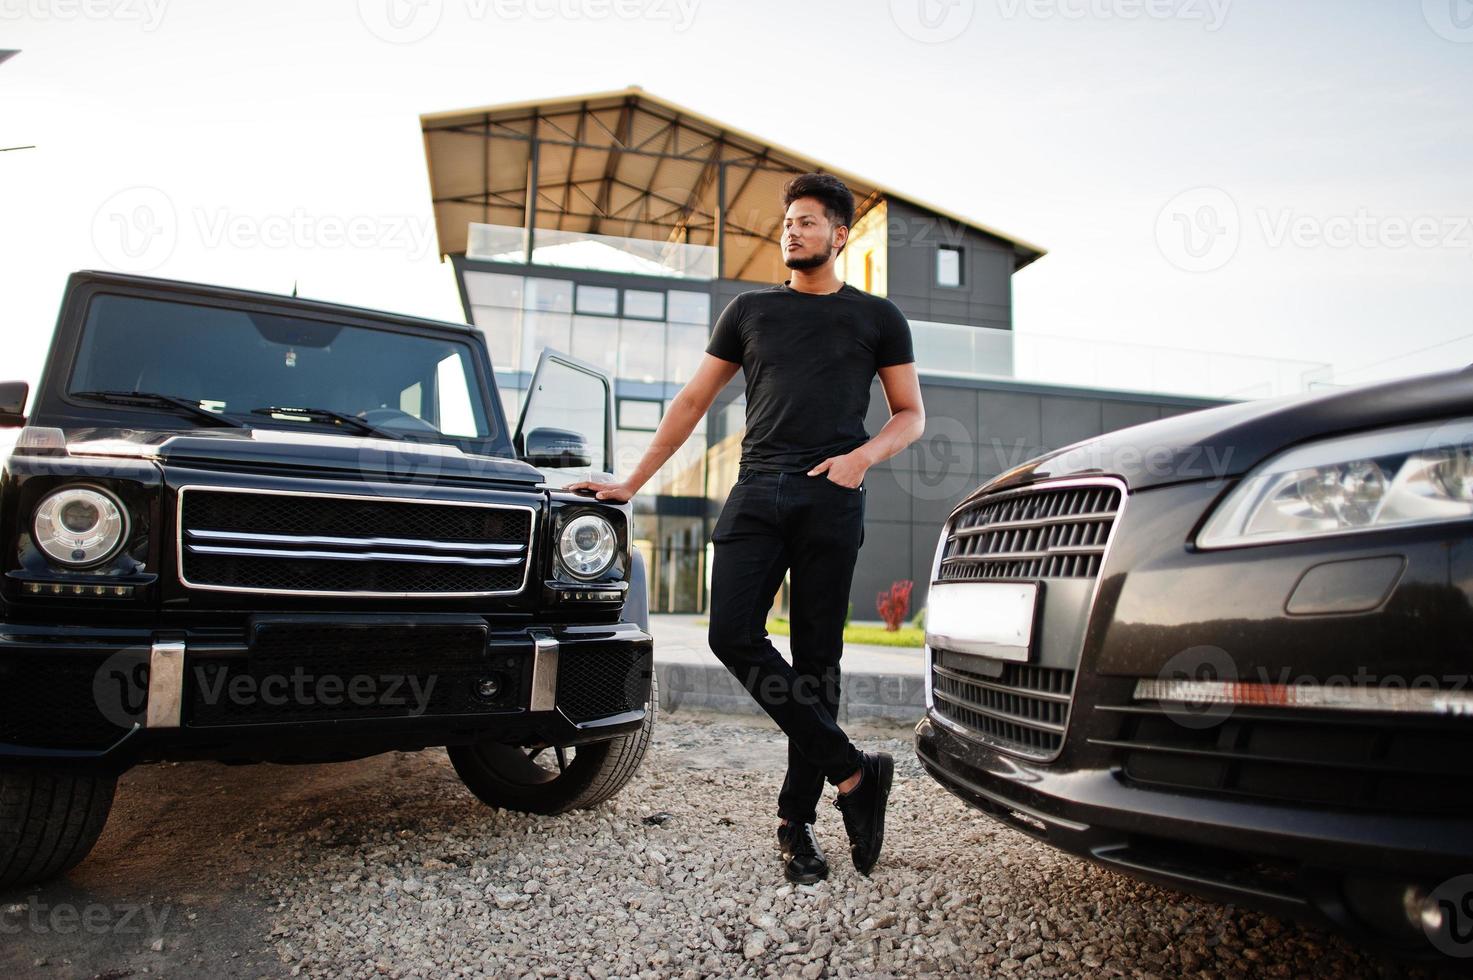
616 227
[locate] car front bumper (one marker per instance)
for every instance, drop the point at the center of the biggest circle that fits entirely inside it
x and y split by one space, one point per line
1292 861
312 688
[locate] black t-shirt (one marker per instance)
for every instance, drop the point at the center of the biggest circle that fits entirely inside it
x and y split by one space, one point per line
809 360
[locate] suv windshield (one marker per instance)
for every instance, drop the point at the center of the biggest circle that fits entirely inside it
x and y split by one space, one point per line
259 366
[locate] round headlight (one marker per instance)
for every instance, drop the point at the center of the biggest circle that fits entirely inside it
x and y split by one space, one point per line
80 526
587 546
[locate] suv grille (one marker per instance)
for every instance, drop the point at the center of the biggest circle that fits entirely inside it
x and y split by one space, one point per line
1023 709
337 545
1032 533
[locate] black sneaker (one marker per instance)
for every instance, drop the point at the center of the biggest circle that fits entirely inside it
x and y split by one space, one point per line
864 809
803 860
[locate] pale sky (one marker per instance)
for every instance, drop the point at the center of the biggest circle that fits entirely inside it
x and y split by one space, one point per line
1247 176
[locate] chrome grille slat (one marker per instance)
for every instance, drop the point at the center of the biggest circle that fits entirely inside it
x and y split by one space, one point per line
389 556
1031 533
319 540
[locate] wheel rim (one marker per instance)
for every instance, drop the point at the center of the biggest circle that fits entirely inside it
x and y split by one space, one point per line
528 766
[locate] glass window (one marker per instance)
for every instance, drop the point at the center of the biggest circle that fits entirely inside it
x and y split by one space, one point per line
640 414
254 364
596 340
644 304
548 295
683 356
503 330
598 300
494 289
543 330
688 307
452 391
948 266
511 404
641 350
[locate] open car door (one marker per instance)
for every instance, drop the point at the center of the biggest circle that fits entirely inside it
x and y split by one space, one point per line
566 426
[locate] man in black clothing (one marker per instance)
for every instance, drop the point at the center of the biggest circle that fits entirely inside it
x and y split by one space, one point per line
810 349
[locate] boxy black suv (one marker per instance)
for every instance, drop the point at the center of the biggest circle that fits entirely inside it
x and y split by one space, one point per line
252 528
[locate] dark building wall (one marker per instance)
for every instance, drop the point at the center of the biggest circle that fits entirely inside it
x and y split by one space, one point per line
974 431
984 298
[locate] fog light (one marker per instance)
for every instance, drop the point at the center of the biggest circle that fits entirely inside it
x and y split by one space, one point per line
488 687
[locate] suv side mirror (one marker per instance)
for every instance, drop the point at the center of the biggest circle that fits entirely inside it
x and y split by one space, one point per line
13 396
557 448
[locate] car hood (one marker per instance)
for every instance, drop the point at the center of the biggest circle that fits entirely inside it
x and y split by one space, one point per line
394 460
1227 441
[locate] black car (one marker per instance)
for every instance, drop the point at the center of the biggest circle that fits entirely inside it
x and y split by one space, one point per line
252 528
1229 652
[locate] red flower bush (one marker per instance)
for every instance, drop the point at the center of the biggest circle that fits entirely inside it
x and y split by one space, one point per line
894 604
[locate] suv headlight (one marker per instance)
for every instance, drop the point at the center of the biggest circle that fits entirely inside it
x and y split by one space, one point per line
1393 477
588 546
80 526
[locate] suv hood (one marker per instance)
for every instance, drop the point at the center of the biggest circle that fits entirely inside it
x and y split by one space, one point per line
393 460
1227 441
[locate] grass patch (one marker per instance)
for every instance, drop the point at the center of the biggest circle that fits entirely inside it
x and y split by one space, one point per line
906 636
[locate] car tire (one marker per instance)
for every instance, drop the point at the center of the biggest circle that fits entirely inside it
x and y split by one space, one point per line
49 822
512 778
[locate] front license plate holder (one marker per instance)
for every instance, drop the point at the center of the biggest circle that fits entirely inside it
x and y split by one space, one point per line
988 619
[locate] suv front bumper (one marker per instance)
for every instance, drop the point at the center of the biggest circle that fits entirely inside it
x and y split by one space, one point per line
312 688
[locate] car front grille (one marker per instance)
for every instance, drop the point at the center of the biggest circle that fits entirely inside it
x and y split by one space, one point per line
289 543
1339 760
595 681
1031 533
1022 708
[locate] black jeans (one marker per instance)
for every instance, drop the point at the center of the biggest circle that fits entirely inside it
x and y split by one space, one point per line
773 523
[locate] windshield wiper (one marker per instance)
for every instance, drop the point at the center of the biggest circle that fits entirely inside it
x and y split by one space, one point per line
153 399
327 415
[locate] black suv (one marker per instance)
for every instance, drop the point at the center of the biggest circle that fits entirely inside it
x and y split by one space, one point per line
252 528
1228 652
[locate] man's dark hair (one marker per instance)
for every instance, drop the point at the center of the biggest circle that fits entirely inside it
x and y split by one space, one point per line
829 190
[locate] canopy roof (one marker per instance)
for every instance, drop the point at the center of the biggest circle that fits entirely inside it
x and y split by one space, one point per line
632 165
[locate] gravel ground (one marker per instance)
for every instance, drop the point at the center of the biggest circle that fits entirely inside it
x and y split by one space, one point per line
678 876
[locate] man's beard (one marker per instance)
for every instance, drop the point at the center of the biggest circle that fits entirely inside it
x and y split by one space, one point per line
810 262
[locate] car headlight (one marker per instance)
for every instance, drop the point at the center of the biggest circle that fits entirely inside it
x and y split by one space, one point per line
1393 477
588 546
80 526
